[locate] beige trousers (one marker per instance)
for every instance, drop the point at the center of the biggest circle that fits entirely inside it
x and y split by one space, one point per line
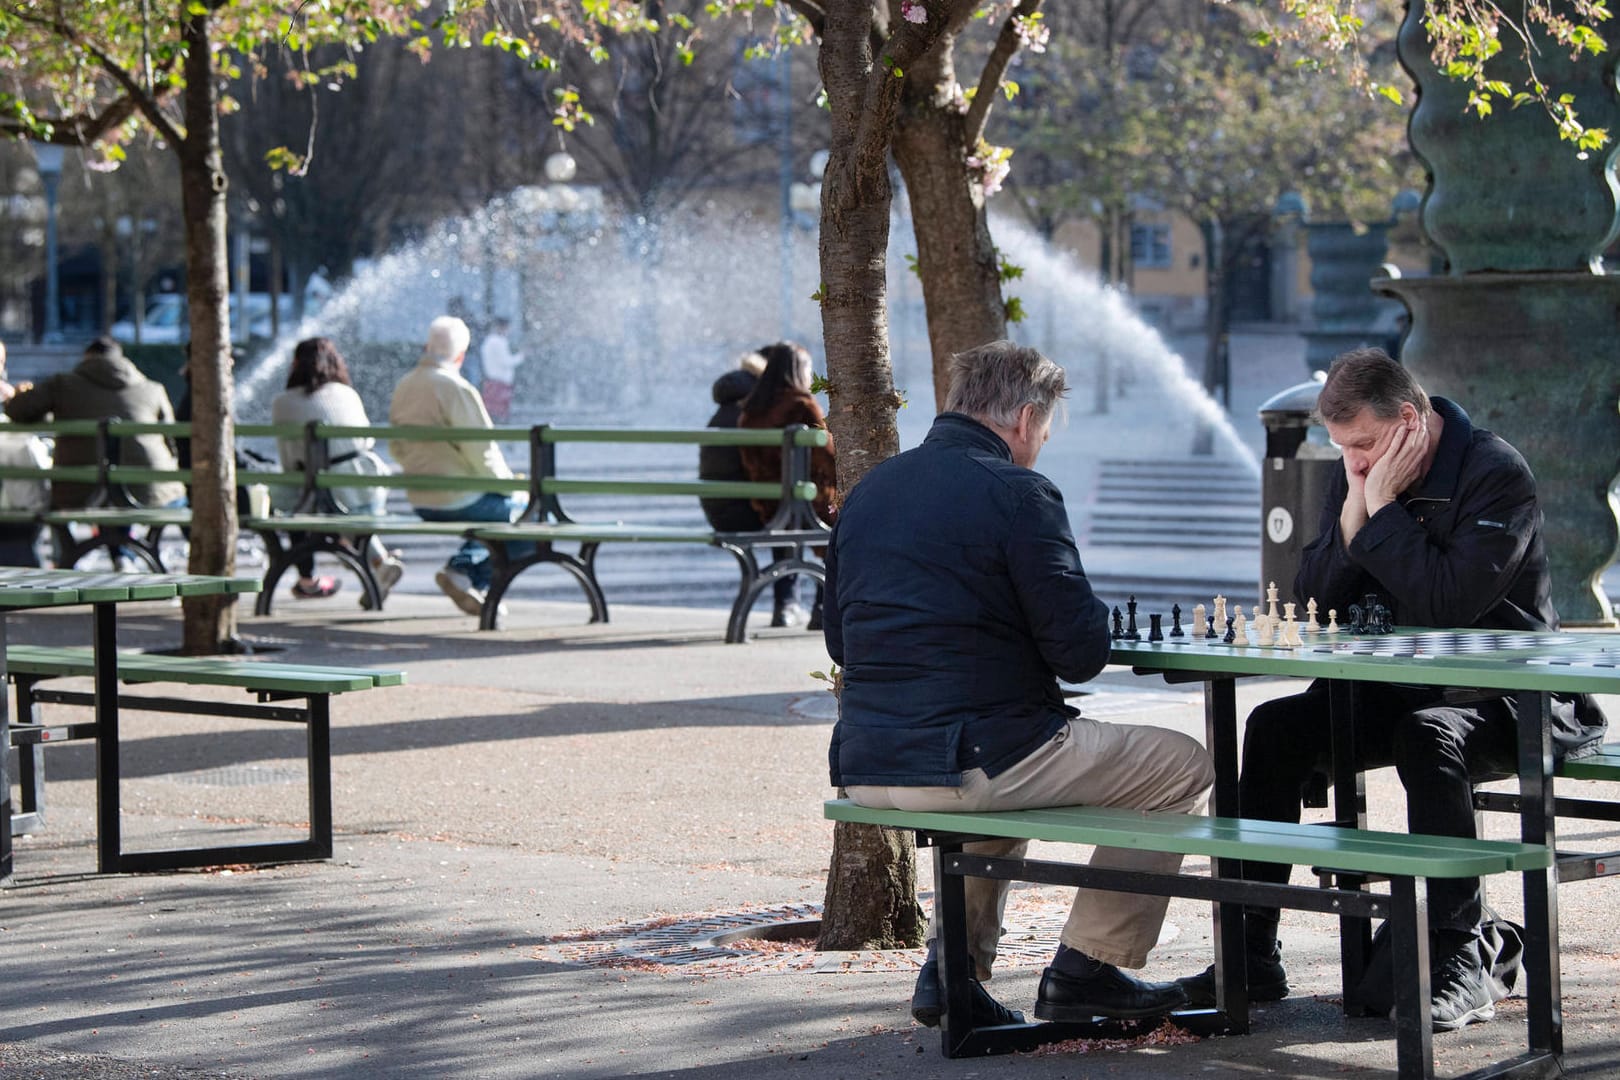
1087 763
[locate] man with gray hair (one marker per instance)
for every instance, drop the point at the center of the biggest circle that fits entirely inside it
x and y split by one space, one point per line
955 601
433 394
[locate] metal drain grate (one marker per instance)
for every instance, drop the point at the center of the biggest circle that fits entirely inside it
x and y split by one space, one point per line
238 776
749 941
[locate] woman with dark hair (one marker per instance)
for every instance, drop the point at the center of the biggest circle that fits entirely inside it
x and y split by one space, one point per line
318 388
781 397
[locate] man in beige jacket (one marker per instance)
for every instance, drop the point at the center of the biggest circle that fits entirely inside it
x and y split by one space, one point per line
433 394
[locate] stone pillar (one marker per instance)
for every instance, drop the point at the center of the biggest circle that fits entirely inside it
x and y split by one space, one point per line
1523 329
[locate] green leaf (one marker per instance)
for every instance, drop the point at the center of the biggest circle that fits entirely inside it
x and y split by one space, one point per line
1015 310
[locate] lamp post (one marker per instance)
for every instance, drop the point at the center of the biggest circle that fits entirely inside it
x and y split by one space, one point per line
48 160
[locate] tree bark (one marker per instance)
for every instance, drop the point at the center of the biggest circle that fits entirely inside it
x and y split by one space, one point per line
956 258
210 621
871 899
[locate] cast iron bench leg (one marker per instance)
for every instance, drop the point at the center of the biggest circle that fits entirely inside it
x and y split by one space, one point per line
1409 952
582 569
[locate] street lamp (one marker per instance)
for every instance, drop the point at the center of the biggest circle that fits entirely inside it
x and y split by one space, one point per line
48 160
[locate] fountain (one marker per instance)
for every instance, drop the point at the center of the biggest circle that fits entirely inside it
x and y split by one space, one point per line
627 324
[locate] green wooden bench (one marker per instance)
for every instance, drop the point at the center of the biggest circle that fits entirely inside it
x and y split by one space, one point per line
1604 765
274 684
318 528
1401 858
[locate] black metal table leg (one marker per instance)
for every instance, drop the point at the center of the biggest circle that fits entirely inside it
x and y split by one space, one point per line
950 906
1220 734
104 635
1349 811
1537 825
1409 964
5 754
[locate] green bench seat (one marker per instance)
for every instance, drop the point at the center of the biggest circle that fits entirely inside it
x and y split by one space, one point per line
1603 765
1573 865
275 684
1338 854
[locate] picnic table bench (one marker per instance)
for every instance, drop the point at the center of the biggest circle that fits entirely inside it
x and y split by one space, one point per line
1403 859
318 526
286 693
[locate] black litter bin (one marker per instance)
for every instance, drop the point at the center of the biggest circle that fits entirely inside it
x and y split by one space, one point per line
1293 484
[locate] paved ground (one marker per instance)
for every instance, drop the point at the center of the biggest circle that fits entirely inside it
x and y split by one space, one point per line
533 800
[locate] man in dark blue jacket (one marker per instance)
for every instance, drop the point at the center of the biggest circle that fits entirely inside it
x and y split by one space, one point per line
1440 519
955 601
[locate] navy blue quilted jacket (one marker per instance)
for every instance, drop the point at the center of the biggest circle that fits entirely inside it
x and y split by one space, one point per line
955 601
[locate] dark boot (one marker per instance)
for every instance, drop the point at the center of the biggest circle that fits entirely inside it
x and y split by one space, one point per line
1459 993
1263 967
815 611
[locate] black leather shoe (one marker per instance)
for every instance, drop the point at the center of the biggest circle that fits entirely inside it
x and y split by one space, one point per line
1107 992
928 1001
1267 979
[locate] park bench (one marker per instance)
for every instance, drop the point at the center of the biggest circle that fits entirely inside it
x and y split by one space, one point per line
286 693
1400 858
1604 765
115 520
318 527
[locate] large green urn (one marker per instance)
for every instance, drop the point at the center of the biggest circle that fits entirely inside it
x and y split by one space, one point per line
1523 328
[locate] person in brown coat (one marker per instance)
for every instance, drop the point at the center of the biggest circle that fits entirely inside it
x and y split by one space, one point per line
781 398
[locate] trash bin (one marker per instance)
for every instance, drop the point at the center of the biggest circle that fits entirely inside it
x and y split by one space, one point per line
1293 484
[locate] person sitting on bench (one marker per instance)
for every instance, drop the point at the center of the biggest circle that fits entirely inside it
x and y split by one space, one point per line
1439 518
955 601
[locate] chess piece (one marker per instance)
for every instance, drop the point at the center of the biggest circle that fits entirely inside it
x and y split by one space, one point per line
1119 624
1265 630
1290 629
1201 624
1231 628
1240 634
1220 611
1131 632
1258 623
1175 621
1271 601
1358 623
1155 630
1311 626
1333 621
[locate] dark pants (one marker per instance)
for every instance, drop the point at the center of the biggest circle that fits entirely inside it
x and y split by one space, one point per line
1435 747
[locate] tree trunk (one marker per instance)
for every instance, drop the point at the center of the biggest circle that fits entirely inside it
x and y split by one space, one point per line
956 259
871 896
210 621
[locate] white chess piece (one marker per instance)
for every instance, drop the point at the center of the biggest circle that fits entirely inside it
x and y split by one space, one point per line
1333 621
1240 635
1220 614
1271 601
1311 626
1200 627
1264 634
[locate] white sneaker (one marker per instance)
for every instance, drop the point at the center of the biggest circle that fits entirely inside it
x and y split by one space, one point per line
387 572
459 588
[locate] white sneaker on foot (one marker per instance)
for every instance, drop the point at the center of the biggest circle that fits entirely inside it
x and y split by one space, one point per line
459 588
387 572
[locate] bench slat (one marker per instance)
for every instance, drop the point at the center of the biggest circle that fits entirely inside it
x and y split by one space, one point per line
587 533
200 670
1362 851
355 525
1603 765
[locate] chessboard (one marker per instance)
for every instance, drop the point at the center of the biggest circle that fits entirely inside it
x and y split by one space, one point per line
1449 643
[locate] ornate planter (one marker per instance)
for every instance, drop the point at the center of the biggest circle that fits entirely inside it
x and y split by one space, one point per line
1523 330
1344 312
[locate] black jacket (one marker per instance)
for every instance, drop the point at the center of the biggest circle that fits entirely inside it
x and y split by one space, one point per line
1464 551
724 462
955 601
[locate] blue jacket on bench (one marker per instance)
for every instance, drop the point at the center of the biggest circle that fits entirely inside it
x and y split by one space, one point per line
954 584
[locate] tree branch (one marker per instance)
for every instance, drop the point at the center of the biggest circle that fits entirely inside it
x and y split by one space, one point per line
148 104
883 91
87 128
1007 45
811 12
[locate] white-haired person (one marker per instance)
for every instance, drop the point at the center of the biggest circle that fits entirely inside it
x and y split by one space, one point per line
433 394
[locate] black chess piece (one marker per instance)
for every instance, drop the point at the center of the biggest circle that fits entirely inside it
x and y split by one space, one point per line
1231 629
1358 624
1209 624
1175 621
1380 620
1155 629
1131 632
1119 625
